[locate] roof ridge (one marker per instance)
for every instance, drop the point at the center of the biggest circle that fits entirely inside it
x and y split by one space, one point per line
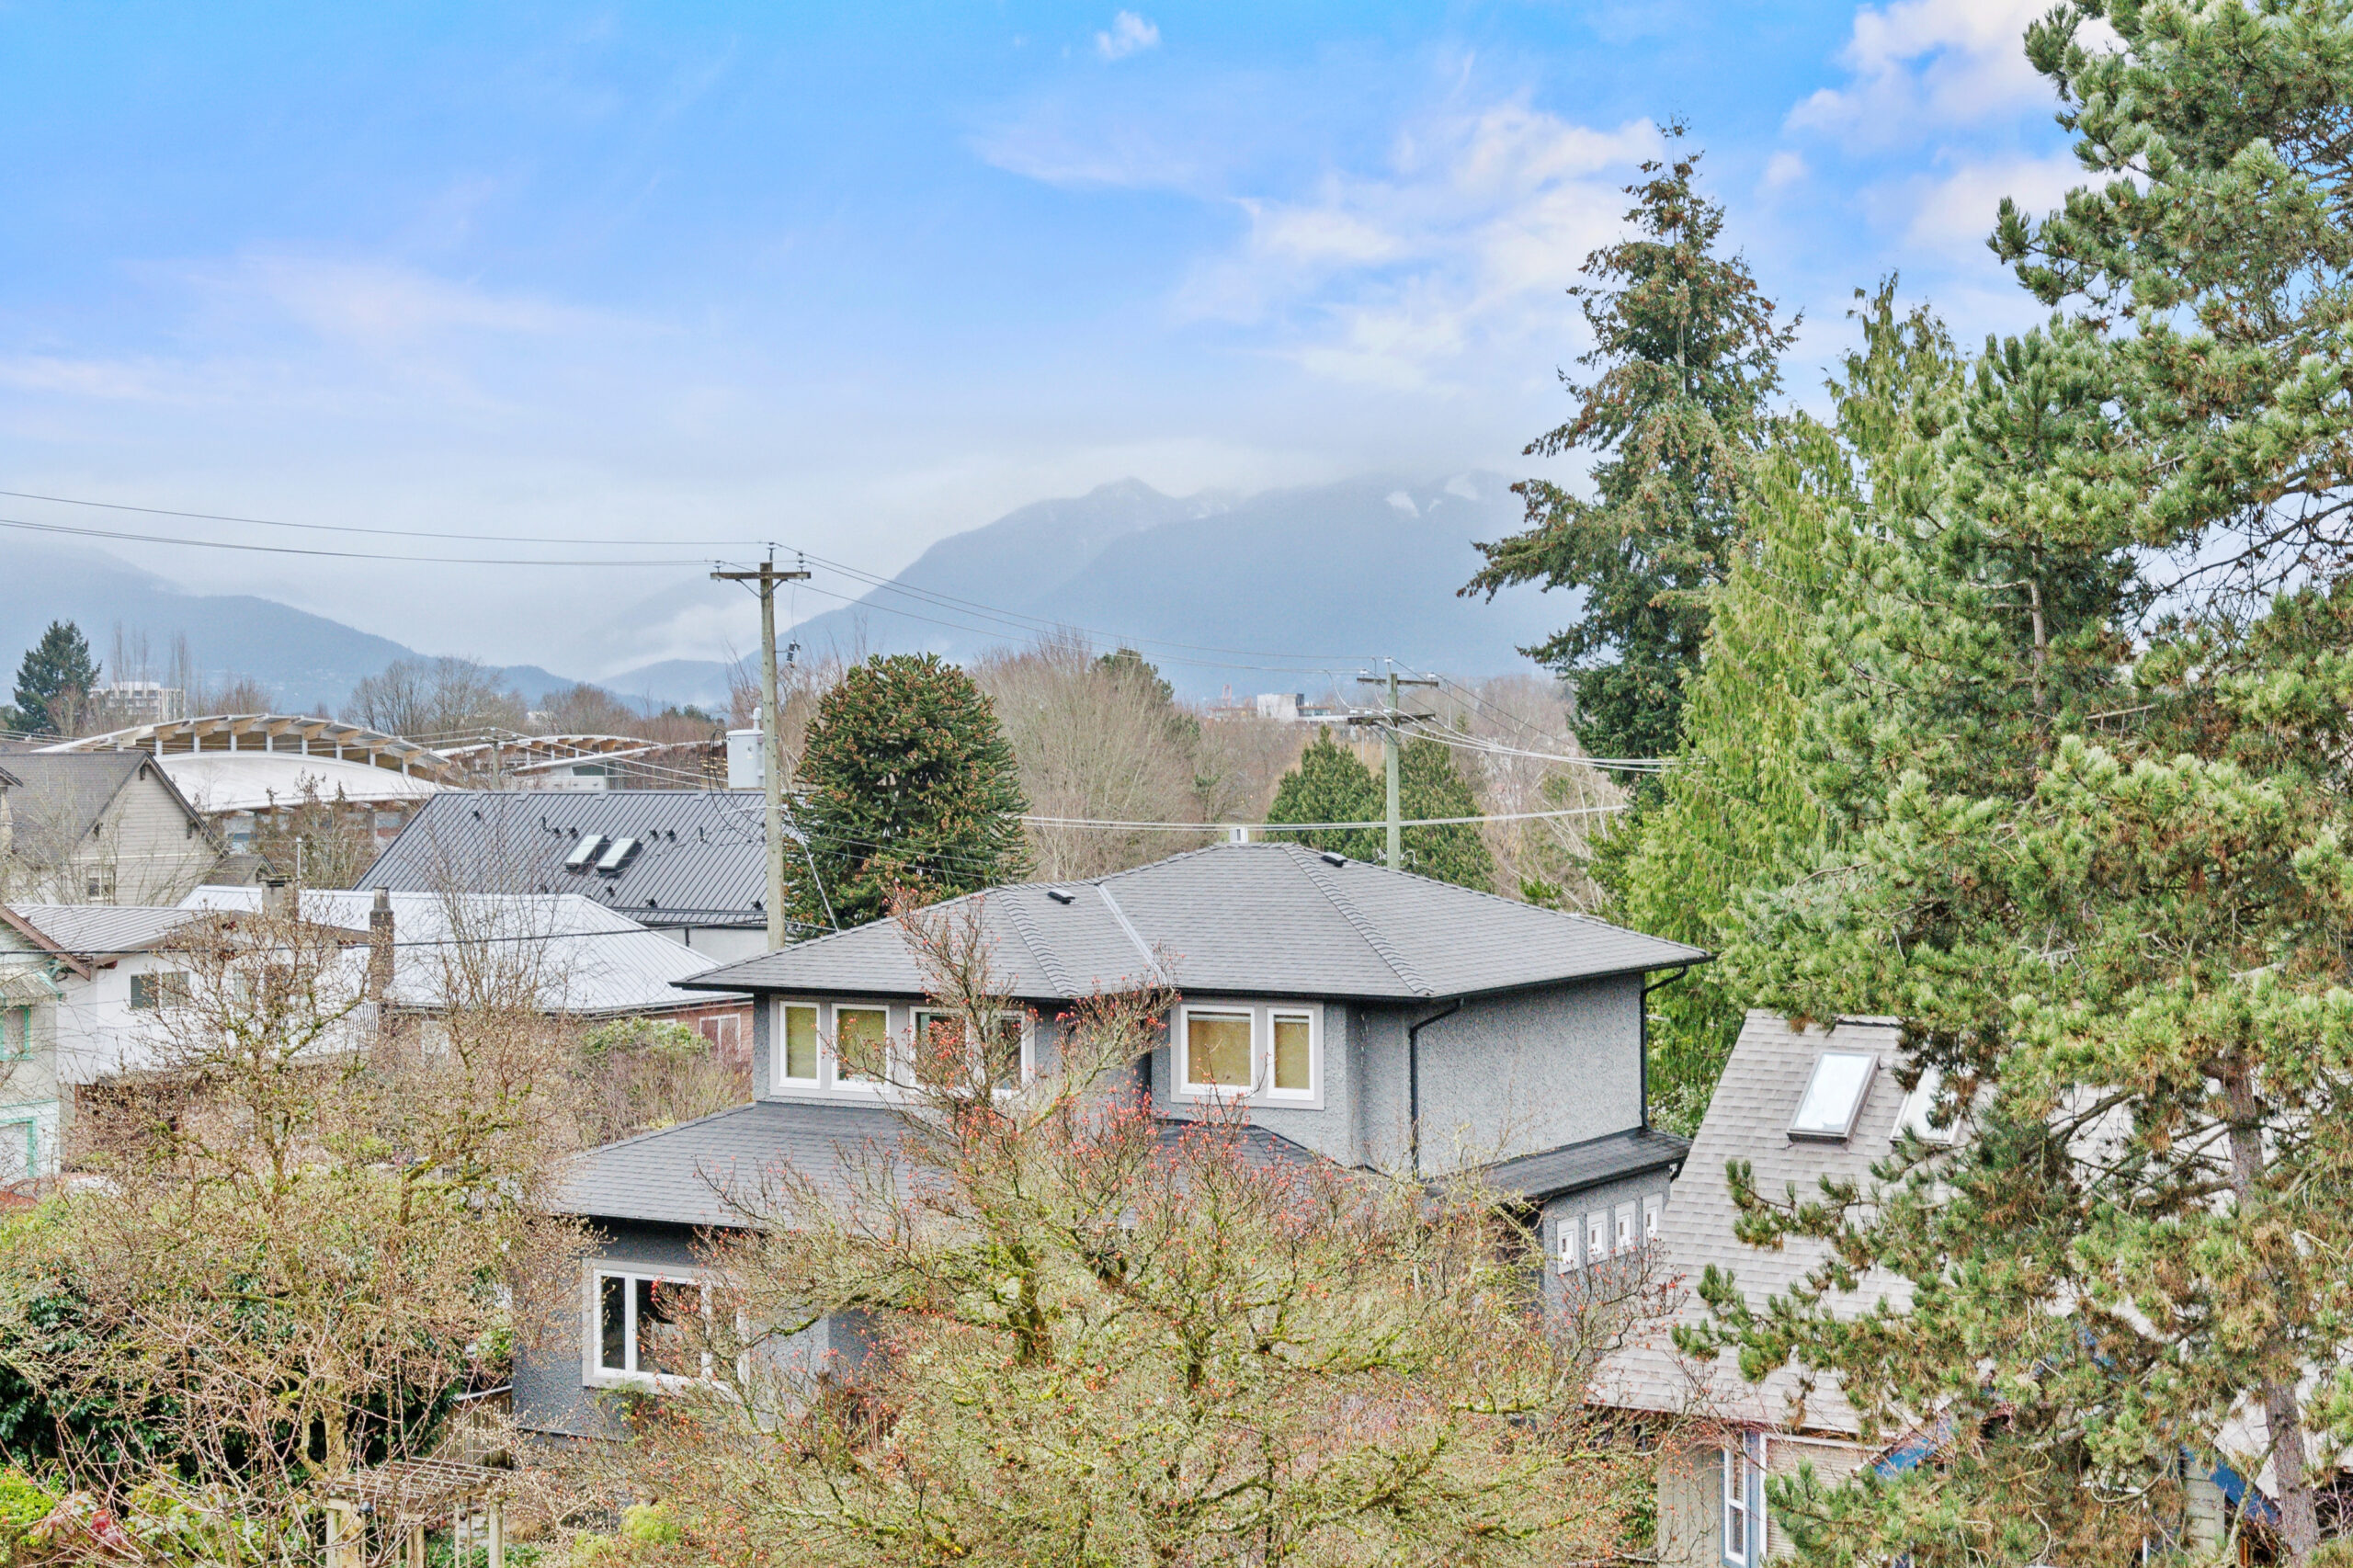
1040 950
1398 964
1151 963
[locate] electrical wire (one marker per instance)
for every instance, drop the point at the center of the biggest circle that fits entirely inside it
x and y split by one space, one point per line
72 531
357 529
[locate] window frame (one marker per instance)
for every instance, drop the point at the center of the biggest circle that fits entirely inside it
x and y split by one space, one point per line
1745 1500
1260 1090
1596 1235
162 988
781 1050
829 1049
1824 1132
593 1373
1024 1069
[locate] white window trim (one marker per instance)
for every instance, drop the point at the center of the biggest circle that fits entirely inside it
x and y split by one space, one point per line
1596 1236
594 1373
829 1060
1029 1068
778 1049
1748 1468
1261 1090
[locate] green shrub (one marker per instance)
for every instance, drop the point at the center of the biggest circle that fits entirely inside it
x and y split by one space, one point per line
24 1503
651 1524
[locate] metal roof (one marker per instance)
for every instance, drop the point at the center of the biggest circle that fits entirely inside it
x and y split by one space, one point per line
102 931
580 959
1265 918
704 861
219 781
706 1172
1748 1118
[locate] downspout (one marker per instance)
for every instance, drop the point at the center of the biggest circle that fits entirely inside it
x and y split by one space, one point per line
1643 1025
1413 1082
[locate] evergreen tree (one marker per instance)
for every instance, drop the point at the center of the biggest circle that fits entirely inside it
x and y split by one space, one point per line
1738 812
2096 859
910 786
1331 785
56 674
1688 354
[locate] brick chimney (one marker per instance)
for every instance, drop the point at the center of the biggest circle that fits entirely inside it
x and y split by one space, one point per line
379 946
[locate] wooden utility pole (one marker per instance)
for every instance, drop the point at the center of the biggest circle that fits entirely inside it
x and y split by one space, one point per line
771 733
1388 721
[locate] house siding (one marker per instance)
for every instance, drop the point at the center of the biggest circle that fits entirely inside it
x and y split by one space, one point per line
553 1393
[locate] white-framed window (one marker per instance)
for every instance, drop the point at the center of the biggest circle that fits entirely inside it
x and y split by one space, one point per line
640 1326
1654 1215
1744 1501
796 1044
848 1047
1625 1234
1597 1237
162 988
1008 1057
1564 1242
1268 1052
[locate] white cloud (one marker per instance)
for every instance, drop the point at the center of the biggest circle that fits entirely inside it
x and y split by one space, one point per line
1957 209
1130 34
381 303
1782 169
1477 223
1920 62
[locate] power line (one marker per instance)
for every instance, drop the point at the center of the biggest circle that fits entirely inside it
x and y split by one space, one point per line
68 529
355 528
1318 826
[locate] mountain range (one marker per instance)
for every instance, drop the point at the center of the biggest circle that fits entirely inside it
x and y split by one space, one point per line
1283 590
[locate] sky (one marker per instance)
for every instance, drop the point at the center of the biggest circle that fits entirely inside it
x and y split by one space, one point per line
851 278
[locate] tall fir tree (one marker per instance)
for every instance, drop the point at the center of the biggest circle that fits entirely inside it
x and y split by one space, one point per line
1331 785
1686 353
57 672
910 788
2085 740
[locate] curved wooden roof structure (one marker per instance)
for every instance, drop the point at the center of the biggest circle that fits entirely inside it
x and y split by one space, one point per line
286 734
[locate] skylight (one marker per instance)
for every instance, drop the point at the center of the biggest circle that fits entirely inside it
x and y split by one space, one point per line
1919 1103
1834 1094
619 855
583 851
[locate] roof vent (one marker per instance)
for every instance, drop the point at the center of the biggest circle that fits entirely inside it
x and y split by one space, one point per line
584 852
623 851
1329 858
1059 896
1833 1096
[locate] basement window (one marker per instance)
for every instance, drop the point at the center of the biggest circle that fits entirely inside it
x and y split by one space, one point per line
1833 1096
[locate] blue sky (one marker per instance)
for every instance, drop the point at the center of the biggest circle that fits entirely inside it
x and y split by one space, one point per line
855 277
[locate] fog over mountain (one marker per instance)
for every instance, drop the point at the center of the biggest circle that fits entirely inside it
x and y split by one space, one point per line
1284 590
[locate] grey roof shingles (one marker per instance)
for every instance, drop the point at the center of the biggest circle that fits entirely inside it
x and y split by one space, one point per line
1610 1157
712 1172
704 860
1748 1118
1265 918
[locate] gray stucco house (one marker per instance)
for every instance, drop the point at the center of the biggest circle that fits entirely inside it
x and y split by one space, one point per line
1364 1016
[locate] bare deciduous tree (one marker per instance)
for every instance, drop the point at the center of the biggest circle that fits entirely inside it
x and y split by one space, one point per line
1094 738
434 699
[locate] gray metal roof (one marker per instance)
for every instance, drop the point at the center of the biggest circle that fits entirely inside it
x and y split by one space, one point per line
704 860
102 932
582 961
1265 918
1610 1157
1748 1118
707 1172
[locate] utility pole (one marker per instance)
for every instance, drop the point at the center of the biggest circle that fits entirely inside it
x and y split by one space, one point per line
1388 721
772 733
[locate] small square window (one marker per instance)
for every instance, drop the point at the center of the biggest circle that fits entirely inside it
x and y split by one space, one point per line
1565 1240
1217 1050
1654 1213
939 1035
1597 1237
800 1044
1625 1237
166 988
643 1323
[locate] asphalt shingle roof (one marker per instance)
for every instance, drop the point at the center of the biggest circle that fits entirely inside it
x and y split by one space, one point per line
1610 1157
704 861
1265 918
59 796
708 1172
1748 1118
